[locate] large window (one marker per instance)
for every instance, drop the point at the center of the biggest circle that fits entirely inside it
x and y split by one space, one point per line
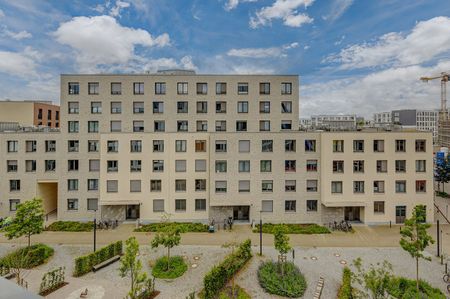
290 206
138 88
180 146
160 88
311 205
286 88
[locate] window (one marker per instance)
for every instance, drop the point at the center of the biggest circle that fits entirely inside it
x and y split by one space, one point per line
400 165
158 146
358 187
180 146
30 165
243 107
267 146
93 146
202 107
244 165
116 88
290 205
358 146
311 185
180 165
92 204
338 166
160 126
73 146
50 165
182 126
378 207
116 107
96 107
116 126
400 186
200 145
30 146
338 146
93 126
311 165
202 88
267 206
421 166
56 115
310 145
286 125
221 107
158 205
113 146
286 107
244 186
266 165
158 165
200 165
264 107
112 165
290 145
72 185
202 126
73 127
72 165
421 146
221 186
135 165
264 88
244 146
182 107
311 205
421 186
74 88
138 107
158 107
74 108
378 146
180 205
241 126
400 145
50 146
381 165
221 146
49 115
336 187
200 204
160 88
221 166
182 88
286 88
264 125
136 146
11 166
378 186
40 113
138 88
94 165
200 185
358 166
155 185
138 126
267 186
289 165
72 204
135 185
242 88
112 186
290 185
13 204
221 88
221 125
14 185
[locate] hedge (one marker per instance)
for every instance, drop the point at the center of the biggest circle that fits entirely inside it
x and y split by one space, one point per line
27 257
345 291
183 227
84 264
403 288
70 226
292 284
291 228
219 275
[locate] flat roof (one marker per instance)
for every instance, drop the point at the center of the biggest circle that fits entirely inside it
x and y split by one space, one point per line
185 75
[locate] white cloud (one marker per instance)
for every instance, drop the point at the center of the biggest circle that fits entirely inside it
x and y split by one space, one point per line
18 35
262 52
100 40
427 41
115 10
2 14
18 64
338 8
287 10
232 4
142 65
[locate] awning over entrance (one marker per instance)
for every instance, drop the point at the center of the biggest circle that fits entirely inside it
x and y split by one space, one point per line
341 204
119 202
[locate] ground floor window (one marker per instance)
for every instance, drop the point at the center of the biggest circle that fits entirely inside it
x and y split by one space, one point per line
13 204
200 204
290 206
72 204
267 206
378 207
311 205
92 204
180 205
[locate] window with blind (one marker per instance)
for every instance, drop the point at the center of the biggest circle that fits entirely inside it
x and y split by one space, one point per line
135 186
200 165
267 206
244 186
158 205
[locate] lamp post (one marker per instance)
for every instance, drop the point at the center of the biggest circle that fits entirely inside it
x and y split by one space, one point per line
95 229
260 233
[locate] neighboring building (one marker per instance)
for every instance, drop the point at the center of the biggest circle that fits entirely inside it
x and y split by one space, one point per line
29 113
334 122
382 119
305 123
202 147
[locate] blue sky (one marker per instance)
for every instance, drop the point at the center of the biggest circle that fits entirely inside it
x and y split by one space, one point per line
353 56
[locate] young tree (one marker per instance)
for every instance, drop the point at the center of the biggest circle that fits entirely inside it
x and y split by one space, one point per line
168 239
376 279
131 266
415 238
16 264
281 241
443 173
29 220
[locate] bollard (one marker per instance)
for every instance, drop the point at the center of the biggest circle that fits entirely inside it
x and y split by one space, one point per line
293 254
445 268
442 259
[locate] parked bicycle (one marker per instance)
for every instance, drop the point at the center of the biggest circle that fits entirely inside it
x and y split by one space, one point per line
344 226
446 279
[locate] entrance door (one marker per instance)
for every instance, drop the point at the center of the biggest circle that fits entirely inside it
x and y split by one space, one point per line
241 213
400 214
132 212
352 214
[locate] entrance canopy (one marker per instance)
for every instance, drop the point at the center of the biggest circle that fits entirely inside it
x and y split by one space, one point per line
119 202
341 204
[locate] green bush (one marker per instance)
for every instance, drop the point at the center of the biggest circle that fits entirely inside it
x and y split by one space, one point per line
239 293
290 228
27 257
403 288
219 275
177 267
345 291
292 284
70 226
84 264
183 227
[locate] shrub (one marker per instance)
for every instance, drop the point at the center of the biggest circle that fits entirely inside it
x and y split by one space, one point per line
403 288
70 226
183 227
290 228
239 293
84 264
177 267
219 275
29 257
345 291
291 284
52 280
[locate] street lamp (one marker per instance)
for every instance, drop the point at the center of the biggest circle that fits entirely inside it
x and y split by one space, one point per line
260 233
95 229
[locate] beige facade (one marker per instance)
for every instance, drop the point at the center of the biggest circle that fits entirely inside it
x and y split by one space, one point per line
30 113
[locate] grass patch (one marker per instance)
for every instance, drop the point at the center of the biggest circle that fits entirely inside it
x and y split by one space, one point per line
307 229
403 288
227 292
27 257
183 227
345 291
70 226
292 284
177 267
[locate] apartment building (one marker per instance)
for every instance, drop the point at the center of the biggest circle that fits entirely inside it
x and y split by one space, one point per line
334 122
29 113
203 147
